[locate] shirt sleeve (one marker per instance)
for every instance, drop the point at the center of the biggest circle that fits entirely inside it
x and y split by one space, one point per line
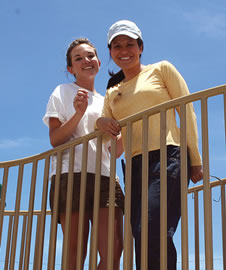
107 111
177 87
54 109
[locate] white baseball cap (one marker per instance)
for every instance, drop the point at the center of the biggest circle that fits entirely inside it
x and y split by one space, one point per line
124 27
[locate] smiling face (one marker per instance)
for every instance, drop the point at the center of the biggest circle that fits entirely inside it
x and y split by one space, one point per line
125 52
84 62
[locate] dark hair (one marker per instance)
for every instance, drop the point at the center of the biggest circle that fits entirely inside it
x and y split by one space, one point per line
115 78
119 76
75 43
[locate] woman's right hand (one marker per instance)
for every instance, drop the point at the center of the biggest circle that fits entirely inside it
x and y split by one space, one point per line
59 132
81 101
109 126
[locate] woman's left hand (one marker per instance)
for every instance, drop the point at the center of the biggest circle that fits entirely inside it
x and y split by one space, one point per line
196 173
109 126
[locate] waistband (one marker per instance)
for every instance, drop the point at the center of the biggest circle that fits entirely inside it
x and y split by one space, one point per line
155 154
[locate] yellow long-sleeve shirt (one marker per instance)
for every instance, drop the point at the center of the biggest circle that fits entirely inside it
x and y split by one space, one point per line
155 84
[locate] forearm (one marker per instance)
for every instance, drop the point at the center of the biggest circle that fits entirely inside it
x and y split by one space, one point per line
192 136
60 134
99 123
119 147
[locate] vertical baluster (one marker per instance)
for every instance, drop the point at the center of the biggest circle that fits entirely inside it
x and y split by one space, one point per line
66 241
23 237
144 201
9 239
30 214
96 206
111 206
16 217
207 191
53 232
184 187
128 239
2 204
225 116
79 257
163 192
196 220
223 214
40 229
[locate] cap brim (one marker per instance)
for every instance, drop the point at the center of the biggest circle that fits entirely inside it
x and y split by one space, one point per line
126 33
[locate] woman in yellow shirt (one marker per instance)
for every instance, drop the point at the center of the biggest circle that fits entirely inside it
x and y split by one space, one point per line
135 88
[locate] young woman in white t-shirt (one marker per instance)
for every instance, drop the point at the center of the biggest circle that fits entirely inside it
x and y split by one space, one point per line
71 113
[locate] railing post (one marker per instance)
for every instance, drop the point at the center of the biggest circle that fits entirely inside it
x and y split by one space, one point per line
79 258
30 215
184 186
2 204
37 255
128 238
16 217
66 239
207 191
225 117
144 192
23 237
9 244
54 217
163 192
40 228
196 220
96 207
110 258
223 214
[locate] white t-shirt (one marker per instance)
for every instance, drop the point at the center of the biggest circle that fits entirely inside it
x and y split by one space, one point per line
60 106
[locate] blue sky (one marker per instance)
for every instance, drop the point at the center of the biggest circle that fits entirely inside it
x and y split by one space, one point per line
35 35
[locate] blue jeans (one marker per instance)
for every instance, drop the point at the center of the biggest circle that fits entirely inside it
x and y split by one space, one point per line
173 206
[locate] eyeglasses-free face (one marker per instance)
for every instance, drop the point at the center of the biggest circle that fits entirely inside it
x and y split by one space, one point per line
85 62
125 52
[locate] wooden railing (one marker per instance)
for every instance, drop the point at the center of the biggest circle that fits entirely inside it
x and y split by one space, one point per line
30 237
